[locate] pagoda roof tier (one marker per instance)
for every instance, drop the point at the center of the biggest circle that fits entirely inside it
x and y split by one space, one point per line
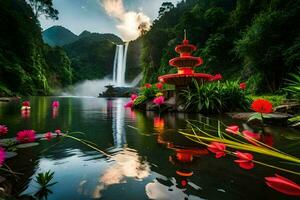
185 79
186 61
185 48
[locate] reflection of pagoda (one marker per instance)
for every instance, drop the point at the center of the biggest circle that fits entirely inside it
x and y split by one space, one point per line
185 65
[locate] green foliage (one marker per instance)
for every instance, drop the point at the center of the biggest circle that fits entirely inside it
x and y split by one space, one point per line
149 93
91 57
293 85
241 39
140 100
43 7
215 97
25 65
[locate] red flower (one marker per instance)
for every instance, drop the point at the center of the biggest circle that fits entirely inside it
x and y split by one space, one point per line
2 156
216 77
148 85
243 86
245 160
283 185
58 132
248 135
159 86
3 130
159 100
48 136
26 103
55 104
26 136
133 97
217 148
232 129
262 106
129 104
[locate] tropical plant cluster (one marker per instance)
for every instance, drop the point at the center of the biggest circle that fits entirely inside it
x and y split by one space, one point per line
215 97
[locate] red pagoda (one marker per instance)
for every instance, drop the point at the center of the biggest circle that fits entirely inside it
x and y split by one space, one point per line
185 65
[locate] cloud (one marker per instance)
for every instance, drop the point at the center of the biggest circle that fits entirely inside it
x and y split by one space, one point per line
130 24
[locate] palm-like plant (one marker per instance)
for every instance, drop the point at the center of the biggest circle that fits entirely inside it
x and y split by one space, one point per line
44 179
293 85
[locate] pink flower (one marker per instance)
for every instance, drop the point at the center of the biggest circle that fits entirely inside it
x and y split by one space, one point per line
233 129
129 104
48 136
55 104
58 132
26 103
159 100
26 136
3 130
2 156
148 85
217 148
245 160
243 86
283 185
133 97
159 86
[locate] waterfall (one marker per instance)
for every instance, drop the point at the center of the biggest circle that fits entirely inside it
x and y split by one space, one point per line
119 68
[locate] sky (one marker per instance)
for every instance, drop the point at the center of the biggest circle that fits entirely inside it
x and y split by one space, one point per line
80 15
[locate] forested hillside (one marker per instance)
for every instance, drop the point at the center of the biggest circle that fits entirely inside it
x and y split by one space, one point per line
253 40
27 65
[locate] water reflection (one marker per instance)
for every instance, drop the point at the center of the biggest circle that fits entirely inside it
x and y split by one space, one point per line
124 164
118 124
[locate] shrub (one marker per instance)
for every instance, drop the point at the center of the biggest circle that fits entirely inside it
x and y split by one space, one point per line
293 85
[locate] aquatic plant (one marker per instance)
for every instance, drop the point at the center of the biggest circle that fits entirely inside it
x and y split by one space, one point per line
58 132
44 179
26 136
3 130
48 136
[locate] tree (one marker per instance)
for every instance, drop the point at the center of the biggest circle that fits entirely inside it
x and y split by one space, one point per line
165 7
45 7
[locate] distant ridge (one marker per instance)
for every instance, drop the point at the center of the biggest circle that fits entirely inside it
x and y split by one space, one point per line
60 36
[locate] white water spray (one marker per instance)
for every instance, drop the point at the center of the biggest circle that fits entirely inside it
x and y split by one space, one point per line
119 67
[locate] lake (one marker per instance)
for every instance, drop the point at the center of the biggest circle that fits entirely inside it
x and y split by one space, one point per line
144 159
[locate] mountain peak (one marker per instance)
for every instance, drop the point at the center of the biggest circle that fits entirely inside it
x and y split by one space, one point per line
58 36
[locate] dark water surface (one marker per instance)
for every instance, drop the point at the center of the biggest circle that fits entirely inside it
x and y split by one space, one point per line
145 160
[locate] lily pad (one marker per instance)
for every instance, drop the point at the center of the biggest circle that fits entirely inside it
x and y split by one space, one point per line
27 145
10 154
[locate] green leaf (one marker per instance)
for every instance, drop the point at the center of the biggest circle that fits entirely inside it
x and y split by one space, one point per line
255 116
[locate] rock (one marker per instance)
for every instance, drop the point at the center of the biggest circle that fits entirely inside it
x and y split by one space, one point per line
112 91
272 118
291 108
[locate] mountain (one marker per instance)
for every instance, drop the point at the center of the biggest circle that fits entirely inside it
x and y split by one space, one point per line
91 56
27 65
58 36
